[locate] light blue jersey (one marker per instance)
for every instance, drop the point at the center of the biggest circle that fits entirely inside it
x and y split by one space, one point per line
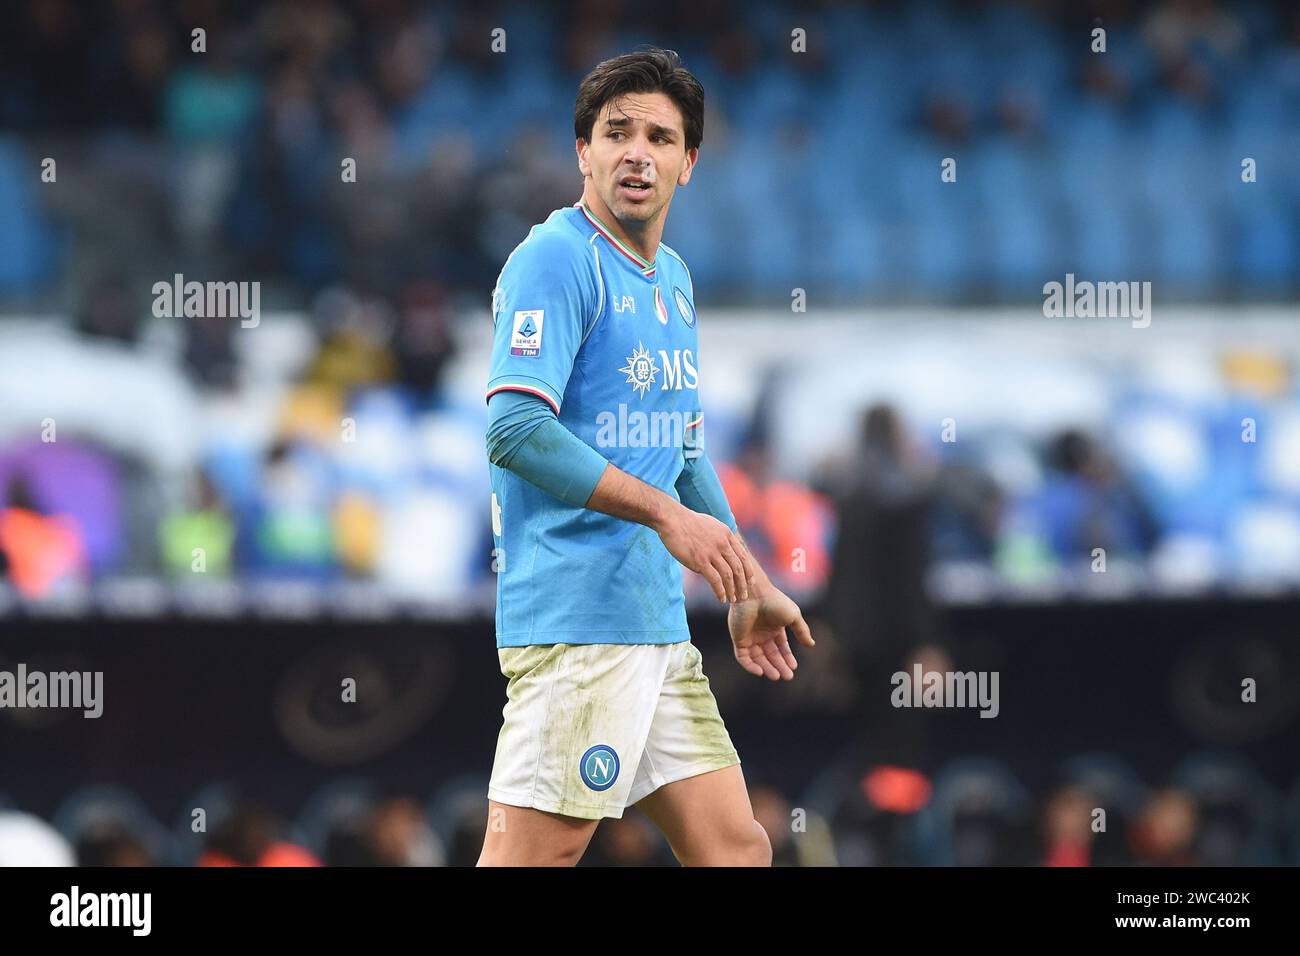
609 340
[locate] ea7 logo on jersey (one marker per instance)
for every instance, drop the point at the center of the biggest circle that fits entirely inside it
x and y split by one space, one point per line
527 336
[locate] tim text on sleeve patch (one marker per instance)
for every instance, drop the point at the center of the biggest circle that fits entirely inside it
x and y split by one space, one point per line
527 336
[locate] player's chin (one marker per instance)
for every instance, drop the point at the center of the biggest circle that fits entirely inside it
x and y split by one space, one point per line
636 209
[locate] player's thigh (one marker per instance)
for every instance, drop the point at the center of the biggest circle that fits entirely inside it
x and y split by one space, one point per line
708 820
689 781
574 726
525 836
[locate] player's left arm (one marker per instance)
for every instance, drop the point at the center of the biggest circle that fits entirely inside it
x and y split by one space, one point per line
698 486
758 625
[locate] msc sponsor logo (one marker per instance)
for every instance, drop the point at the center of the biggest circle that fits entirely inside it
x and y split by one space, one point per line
678 367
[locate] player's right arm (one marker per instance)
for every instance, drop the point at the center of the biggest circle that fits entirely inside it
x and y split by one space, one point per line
699 541
546 300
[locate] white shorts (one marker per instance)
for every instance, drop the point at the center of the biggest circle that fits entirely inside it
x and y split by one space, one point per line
590 729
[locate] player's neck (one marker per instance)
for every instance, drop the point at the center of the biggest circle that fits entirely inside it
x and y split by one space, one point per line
643 241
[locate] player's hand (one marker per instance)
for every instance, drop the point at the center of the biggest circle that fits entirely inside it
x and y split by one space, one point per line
711 549
758 634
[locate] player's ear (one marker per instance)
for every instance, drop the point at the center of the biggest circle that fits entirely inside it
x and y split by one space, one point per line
692 156
581 146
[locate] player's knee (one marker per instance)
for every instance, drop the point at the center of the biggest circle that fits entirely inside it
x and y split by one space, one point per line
760 847
749 846
742 846
554 849
565 854
549 854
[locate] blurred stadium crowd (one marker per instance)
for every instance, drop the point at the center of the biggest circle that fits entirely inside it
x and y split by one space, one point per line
1216 812
228 161
334 459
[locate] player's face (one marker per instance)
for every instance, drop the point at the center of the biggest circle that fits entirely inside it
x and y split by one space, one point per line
637 155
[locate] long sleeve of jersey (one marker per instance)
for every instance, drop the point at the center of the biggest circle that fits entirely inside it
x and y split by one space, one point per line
699 486
525 437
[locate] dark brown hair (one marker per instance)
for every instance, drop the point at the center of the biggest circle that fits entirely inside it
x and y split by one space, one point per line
646 71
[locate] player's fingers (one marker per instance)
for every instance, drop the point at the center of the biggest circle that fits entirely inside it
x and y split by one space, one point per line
777 660
744 660
784 645
728 577
711 575
761 658
801 632
738 573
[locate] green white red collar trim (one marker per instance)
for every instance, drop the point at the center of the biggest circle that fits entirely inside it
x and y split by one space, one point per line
646 267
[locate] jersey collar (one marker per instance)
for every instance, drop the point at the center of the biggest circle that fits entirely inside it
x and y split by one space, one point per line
644 266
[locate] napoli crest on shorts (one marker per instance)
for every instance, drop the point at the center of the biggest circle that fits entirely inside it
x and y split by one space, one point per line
684 306
599 767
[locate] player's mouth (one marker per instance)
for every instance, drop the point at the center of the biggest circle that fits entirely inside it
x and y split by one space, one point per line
635 188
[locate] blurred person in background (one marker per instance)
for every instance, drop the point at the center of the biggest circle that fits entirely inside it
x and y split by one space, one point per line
627 841
423 339
86 484
1068 836
786 524
877 601
357 346
392 832
250 836
210 105
40 551
799 837
399 835
112 844
108 311
209 355
138 52
968 510
1086 502
288 530
1164 832
983 835
1192 35
205 524
873 822
1067 825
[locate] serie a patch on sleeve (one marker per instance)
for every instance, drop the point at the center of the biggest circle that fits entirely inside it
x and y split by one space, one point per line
526 339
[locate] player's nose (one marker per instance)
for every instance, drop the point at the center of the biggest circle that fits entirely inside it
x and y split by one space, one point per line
638 153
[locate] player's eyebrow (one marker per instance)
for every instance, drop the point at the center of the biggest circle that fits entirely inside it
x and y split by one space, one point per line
655 128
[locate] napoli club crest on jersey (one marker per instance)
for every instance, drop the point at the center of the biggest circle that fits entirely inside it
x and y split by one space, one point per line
684 306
